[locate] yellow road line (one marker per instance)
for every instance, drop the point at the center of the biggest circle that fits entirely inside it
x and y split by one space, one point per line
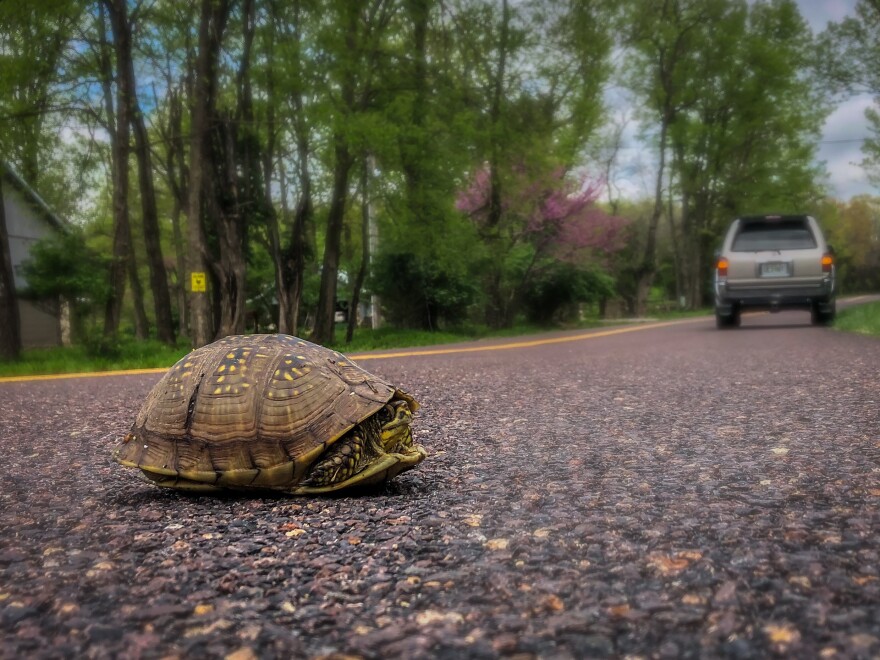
84 374
526 344
398 354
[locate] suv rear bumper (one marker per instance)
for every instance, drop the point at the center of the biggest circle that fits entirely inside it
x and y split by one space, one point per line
802 296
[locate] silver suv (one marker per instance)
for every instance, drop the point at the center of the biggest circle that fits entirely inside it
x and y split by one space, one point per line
774 262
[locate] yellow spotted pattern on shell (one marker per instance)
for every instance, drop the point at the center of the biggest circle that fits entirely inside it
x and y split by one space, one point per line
250 410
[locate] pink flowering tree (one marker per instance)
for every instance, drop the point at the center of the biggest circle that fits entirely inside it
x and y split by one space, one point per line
538 223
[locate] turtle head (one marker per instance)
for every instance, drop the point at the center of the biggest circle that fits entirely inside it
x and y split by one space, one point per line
376 450
395 419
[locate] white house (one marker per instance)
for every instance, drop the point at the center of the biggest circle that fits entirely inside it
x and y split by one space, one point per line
28 219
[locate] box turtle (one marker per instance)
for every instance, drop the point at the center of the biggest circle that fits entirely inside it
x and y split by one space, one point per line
271 412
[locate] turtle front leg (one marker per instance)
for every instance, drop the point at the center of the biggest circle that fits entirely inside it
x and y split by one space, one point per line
376 450
342 461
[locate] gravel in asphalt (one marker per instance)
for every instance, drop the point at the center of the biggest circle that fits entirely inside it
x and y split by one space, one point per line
678 492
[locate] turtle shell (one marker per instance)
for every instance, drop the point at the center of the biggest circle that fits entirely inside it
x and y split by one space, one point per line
250 411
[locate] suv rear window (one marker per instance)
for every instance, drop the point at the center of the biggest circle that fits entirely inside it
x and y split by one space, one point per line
779 235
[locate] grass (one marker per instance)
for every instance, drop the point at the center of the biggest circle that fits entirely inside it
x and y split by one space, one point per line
73 359
132 354
389 338
683 314
862 319
386 338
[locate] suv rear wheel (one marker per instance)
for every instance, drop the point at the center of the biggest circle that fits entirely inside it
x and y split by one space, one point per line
820 317
732 320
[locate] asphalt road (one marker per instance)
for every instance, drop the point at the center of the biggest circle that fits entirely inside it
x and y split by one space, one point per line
670 491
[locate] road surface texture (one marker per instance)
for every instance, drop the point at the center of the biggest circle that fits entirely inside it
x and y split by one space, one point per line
666 492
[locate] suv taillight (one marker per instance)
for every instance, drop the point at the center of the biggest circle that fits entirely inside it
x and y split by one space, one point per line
827 262
722 266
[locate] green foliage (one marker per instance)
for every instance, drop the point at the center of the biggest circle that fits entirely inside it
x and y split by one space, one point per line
554 295
62 267
871 147
847 53
419 293
854 231
846 61
727 78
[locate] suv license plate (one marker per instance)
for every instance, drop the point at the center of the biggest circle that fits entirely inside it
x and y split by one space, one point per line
774 269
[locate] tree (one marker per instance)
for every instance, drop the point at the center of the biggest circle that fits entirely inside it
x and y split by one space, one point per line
212 24
854 230
170 49
235 191
33 40
125 80
10 329
119 127
286 320
526 113
664 46
737 123
745 143
265 115
64 270
847 61
356 46
544 220
848 52
292 88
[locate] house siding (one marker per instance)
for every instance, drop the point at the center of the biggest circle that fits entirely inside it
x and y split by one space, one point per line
25 225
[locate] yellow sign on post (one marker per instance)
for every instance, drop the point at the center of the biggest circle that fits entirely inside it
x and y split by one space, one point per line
199 282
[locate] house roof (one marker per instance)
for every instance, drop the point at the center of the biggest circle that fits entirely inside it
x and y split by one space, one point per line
39 204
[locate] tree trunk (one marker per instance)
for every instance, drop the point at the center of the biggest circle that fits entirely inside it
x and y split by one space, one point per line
141 322
177 175
118 127
240 195
126 81
303 215
645 273
174 162
415 147
365 254
282 292
296 255
273 231
121 249
497 312
495 209
676 244
228 200
10 328
324 331
236 191
180 267
152 238
214 15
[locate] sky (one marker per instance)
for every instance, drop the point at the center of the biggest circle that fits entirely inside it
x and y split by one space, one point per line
841 142
846 126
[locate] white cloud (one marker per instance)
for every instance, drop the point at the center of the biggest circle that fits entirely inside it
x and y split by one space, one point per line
819 12
841 148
